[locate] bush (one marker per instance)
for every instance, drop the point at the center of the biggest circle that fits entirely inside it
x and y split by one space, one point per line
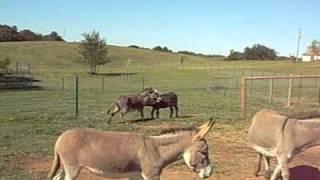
235 55
4 64
163 49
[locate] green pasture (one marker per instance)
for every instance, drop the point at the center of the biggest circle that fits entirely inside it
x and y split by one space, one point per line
31 120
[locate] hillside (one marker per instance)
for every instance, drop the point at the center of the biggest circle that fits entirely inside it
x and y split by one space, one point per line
63 59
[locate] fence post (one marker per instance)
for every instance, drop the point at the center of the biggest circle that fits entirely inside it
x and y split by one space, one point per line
143 83
77 96
102 83
243 98
29 68
62 83
300 87
270 90
236 82
17 68
251 84
318 91
290 91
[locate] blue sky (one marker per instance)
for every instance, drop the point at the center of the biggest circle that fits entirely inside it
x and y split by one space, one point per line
206 26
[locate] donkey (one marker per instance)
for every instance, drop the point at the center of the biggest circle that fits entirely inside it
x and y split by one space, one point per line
167 100
125 104
274 135
129 155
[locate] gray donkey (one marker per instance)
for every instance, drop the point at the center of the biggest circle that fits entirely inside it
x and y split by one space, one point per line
124 154
274 135
125 104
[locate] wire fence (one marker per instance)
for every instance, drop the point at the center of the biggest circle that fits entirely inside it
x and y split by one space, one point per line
216 93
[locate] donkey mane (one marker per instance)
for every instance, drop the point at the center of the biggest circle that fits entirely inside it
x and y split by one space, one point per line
305 115
299 115
177 130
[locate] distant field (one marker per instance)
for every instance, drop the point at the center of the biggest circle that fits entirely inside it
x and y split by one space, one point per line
30 121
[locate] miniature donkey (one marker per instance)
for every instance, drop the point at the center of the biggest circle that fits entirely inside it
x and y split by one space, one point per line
134 155
167 100
125 104
274 135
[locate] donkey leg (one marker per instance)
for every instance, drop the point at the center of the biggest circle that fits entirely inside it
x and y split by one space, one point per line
60 175
72 172
177 110
267 167
122 113
276 172
152 112
158 113
113 113
258 167
171 111
142 114
284 168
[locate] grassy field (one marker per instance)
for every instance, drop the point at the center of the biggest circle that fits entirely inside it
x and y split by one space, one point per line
30 121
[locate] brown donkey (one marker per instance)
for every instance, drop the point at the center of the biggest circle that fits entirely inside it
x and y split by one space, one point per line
133 155
136 102
274 135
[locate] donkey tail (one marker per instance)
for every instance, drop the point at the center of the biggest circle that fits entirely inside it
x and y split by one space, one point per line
55 165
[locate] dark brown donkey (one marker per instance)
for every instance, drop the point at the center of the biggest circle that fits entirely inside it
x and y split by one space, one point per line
134 155
167 100
125 104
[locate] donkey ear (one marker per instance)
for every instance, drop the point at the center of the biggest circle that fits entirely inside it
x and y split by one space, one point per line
203 129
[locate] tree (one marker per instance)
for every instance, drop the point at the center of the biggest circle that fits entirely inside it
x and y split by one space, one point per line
94 50
235 55
53 36
8 33
259 52
27 35
163 49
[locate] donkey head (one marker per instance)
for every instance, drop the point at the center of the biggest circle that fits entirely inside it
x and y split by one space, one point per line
197 155
151 94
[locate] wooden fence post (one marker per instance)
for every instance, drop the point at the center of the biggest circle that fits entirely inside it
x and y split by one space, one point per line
243 98
290 91
270 90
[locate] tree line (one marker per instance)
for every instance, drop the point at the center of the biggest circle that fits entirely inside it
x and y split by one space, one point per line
166 49
11 33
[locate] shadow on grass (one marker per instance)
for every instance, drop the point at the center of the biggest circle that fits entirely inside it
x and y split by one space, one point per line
304 172
185 116
141 120
116 74
31 88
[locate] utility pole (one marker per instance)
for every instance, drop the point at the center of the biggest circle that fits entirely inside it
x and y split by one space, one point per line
298 46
